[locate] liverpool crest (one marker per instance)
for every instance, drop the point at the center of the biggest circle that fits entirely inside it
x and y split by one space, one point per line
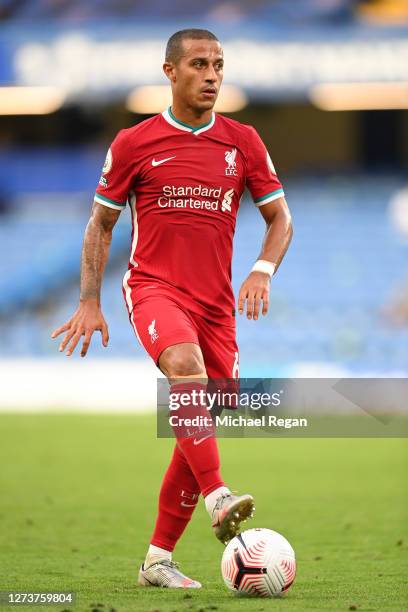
231 169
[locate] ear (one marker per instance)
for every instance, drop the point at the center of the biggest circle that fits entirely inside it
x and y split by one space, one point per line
169 70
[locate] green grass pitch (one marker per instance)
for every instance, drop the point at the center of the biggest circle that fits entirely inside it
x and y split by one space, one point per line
78 495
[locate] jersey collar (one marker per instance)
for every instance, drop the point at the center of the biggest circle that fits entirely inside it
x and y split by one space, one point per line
199 129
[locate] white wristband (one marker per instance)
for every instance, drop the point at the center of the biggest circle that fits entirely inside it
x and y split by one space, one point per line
262 265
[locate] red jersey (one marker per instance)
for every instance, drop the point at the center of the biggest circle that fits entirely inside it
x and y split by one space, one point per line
184 185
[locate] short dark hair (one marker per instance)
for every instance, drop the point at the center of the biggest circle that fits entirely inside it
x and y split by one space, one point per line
174 47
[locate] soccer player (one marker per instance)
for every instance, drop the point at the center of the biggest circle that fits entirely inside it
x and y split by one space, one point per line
183 173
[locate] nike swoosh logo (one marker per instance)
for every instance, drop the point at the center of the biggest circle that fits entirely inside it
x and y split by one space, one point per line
197 442
161 161
188 505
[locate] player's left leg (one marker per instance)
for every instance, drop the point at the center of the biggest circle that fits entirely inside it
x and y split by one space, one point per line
199 444
221 358
188 379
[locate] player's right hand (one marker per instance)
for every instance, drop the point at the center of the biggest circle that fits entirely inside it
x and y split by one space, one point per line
87 319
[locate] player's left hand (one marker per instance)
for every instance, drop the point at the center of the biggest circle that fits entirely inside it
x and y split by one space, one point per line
254 290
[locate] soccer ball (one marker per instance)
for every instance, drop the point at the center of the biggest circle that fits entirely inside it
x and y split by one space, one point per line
259 562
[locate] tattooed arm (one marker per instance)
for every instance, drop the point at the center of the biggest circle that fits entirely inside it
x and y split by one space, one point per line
88 317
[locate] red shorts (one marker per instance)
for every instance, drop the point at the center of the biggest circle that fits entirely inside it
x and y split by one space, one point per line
160 322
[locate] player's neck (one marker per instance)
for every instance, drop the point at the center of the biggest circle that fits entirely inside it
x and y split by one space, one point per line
189 116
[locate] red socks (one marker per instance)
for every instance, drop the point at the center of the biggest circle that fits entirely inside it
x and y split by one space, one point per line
194 468
202 456
197 442
178 497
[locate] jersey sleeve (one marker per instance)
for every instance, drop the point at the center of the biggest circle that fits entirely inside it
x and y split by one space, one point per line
261 178
117 174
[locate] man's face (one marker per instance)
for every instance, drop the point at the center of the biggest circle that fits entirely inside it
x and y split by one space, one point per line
197 76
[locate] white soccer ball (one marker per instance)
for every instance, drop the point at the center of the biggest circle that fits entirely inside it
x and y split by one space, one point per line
259 562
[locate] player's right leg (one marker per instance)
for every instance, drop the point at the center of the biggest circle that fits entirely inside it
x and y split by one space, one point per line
158 322
178 498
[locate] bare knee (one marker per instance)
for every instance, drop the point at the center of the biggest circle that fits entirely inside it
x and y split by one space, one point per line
182 360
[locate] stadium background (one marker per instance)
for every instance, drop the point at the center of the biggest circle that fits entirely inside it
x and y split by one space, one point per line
344 173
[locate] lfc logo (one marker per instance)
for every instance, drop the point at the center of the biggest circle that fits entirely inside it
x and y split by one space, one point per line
231 169
152 331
